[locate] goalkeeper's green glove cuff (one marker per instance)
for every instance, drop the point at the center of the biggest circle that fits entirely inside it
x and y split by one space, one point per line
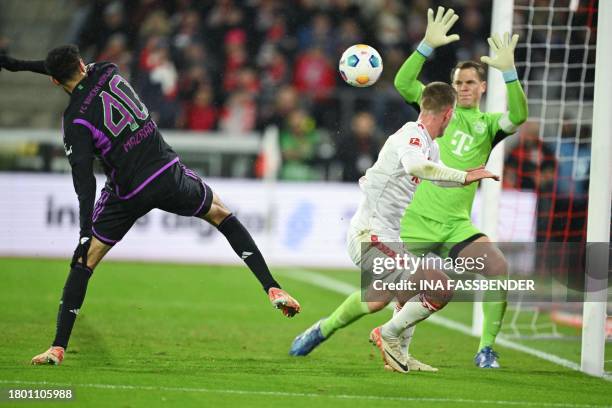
424 49
510 75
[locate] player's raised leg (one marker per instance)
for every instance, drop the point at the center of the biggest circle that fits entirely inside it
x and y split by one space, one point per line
181 191
494 302
245 247
72 299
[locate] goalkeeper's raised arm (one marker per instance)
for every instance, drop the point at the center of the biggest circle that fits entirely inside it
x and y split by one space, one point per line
436 35
503 60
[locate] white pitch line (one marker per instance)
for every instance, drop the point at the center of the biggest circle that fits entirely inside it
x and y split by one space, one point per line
471 402
344 288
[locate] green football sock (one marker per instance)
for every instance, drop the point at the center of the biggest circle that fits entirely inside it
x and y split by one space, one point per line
349 311
493 308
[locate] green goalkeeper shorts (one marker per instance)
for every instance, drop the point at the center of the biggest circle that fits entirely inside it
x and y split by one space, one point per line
423 235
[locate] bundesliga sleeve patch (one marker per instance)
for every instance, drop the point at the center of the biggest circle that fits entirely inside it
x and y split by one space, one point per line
415 141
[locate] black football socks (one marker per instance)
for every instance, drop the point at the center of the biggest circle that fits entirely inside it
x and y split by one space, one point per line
72 300
244 246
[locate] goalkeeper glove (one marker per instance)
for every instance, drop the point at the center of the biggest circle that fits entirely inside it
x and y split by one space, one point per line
437 28
80 253
283 301
503 58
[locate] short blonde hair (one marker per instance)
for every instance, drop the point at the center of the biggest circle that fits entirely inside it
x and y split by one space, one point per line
438 96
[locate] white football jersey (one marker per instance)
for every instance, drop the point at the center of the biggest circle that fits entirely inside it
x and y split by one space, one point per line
387 188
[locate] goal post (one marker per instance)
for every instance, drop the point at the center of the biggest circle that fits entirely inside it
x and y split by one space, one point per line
600 195
501 22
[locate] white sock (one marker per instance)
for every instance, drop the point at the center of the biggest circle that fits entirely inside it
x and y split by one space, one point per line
415 310
406 336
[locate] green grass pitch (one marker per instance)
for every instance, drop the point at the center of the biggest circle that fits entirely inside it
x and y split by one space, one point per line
199 335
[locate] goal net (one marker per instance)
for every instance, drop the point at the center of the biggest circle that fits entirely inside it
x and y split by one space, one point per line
555 59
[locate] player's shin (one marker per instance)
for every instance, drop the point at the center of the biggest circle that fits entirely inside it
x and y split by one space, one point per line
242 243
350 310
493 308
406 336
418 308
72 300
413 311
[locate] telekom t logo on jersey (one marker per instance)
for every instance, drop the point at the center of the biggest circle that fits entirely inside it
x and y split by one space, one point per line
462 142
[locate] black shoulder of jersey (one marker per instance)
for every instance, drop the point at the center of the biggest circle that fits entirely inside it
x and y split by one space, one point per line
95 67
98 75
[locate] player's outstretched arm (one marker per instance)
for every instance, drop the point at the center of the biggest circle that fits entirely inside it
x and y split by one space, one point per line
416 164
503 60
406 81
478 174
450 184
436 35
471 176
518 110
15 65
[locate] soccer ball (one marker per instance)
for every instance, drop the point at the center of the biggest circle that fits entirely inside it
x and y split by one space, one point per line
360 65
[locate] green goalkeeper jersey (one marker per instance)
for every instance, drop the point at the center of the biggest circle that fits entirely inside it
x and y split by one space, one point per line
466 143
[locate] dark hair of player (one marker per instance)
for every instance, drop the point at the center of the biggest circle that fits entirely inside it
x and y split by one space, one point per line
62 62
477 66
438 96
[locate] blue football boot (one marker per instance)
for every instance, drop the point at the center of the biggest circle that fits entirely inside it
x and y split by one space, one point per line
486 358
307 341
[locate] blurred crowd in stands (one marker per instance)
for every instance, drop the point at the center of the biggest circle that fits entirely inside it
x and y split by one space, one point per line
238 66
241 65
